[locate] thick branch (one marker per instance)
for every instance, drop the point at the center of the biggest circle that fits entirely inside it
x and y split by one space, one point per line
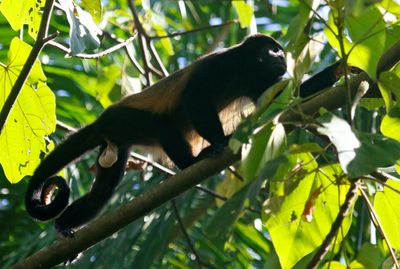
41 41
333 98
106 225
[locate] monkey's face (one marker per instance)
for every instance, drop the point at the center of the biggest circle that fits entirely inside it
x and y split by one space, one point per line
271 60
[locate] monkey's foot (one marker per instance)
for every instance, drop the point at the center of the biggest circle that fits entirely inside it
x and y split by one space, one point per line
211 151
68 232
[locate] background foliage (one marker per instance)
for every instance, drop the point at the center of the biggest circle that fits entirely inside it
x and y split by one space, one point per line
291 182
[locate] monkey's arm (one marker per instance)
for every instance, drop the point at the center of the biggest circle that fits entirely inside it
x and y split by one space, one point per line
320 81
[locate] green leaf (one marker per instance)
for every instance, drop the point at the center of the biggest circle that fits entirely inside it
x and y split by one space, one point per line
372 103
32 117
159 25
220 225
369 36
334 265
367 31
303 148
244 11
19 13
355 154
266 145
390 127
340 134
299 221
104 83
99 86
269 105
387 204
156 244
228 187
94 8
369 256
296 31
390 80
255 239
387 149
84 33
253 153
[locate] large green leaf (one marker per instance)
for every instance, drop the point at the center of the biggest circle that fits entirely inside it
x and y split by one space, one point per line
355 152
368 39
32 117
299 221
390 127
387 204
19 13
94 8
220 225
245 12
342 136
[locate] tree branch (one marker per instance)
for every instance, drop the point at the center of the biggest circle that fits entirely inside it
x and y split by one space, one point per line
42 39
110 223
344 210
106 225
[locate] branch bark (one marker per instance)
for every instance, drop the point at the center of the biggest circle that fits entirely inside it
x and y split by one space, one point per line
106 225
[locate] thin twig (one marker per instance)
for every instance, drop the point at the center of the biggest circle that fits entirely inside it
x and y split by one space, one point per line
200 29
183 229
156 57
142 40
321 20
131 57
236 174
41 41
383 183
212 193
344 210
378 225
94 55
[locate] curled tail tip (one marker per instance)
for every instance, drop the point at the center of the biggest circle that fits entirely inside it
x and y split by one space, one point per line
42 204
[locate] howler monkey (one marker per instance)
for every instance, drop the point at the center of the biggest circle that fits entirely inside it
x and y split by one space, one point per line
172 114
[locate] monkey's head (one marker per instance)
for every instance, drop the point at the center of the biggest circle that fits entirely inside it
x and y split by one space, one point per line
266 56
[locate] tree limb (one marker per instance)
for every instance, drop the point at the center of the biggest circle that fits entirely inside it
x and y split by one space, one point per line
106 225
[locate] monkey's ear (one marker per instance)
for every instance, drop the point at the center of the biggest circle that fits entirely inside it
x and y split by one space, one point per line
109 155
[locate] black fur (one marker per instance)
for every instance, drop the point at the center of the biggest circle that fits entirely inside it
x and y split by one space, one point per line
200 92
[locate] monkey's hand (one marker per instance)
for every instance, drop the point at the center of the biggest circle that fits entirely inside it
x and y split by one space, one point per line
65 232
